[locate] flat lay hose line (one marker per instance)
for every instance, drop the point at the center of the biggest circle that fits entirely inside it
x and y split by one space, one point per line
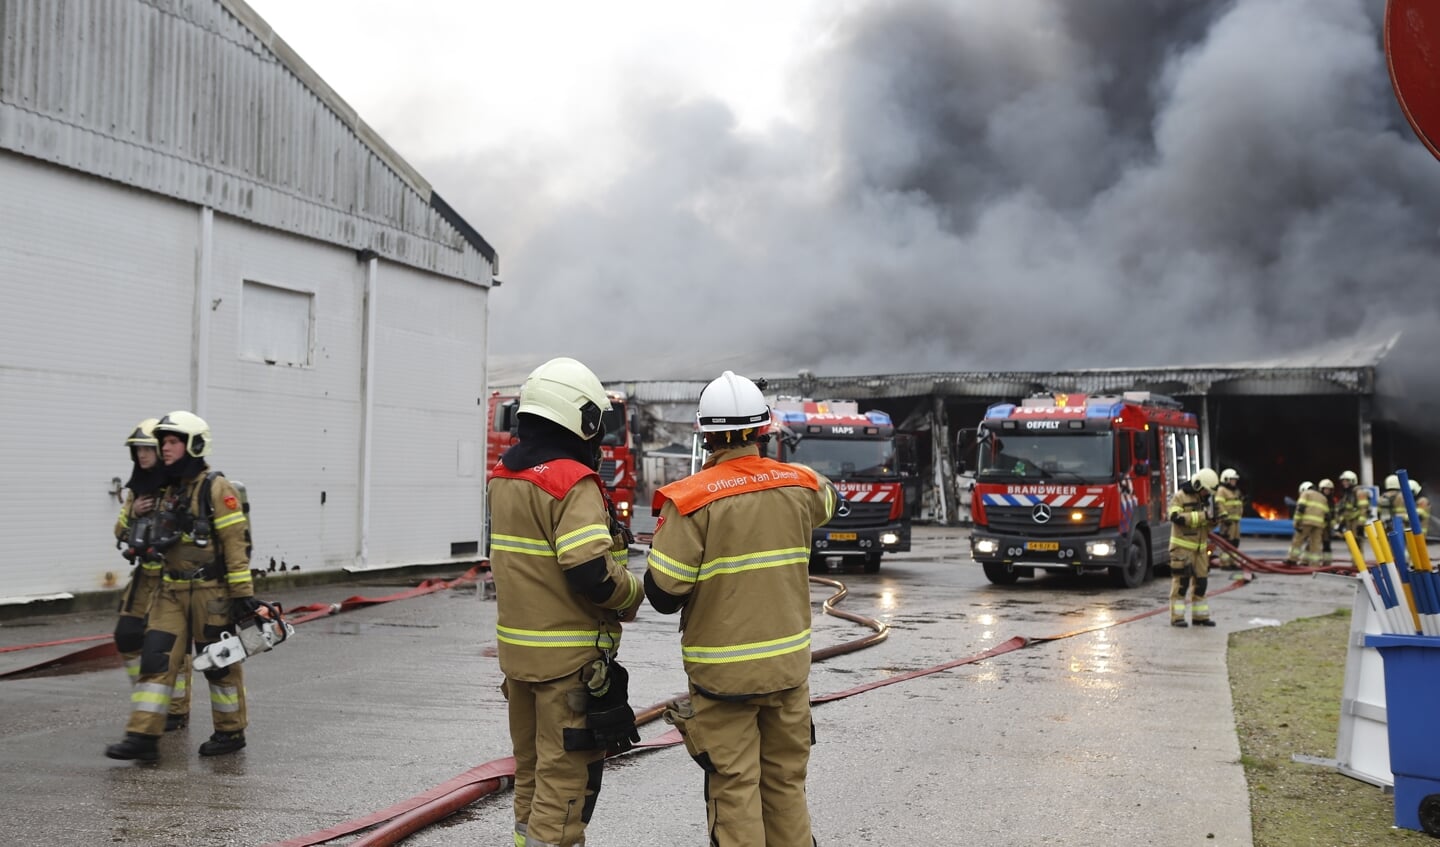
407 817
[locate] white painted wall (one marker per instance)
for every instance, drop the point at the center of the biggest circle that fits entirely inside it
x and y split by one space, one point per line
97 329
95 301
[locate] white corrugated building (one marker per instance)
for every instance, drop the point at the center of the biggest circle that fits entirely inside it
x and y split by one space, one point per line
191 219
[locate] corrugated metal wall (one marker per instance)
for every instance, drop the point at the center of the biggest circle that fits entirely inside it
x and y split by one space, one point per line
123 124
97 283
201 102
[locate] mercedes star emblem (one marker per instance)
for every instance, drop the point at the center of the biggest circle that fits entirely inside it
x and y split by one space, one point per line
843 511
1041 513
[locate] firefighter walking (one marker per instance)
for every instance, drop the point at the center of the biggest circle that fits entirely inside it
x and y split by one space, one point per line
1312 521
731 552
558 556
1229 508
205 590
1192 515
133 532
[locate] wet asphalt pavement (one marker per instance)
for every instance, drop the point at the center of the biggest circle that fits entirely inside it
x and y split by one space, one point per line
1122 735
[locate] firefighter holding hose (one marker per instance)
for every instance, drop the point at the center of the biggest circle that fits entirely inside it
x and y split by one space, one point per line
1192 515
731 553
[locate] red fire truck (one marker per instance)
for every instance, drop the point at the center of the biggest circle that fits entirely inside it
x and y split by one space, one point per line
619 448
872 468
1079 484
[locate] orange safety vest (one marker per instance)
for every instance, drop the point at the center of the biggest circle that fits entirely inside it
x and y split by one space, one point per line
736 476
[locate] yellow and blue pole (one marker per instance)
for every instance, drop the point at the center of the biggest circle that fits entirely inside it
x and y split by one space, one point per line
1425 581
1387 581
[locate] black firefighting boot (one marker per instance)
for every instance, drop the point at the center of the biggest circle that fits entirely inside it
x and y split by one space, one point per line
1179 622
223 742
1206 622
135 746
174 722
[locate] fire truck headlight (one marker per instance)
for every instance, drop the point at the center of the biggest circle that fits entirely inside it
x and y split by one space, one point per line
1099 549
889 538
623 507
986 545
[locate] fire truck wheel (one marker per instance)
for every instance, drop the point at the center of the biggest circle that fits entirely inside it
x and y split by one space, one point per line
1001 573
1135 570
1430 814
872 563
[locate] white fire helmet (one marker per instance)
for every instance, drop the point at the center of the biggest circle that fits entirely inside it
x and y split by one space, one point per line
1205 479
1306 486
1392 483
733 405
1414 488
189 426
566 392
1326 486
1350 477
1229 475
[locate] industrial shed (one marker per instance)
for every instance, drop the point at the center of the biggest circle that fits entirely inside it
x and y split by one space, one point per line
194 220
1305 416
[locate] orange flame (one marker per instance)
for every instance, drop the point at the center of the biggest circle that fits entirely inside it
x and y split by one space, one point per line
1269 513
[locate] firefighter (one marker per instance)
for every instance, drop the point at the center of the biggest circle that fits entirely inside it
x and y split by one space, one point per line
1191 517
1311 518
1229 506
205 589
731 553
1354 508
558 556
146 480
1422 509
1391 503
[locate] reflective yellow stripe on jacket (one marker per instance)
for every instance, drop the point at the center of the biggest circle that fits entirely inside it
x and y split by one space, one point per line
540 548
746 652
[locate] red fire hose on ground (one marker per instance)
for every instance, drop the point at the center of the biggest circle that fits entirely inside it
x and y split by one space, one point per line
405 818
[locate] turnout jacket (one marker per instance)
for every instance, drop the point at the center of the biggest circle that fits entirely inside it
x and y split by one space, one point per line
734 542
1312 509
1229 505
229 535
544 521
1190 523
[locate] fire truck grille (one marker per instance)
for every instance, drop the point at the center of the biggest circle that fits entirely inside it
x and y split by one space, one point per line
1020 520
607 471
861 514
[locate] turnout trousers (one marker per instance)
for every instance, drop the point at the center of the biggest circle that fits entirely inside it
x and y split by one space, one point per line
185 612
135 601
1189 580
755 754
555 788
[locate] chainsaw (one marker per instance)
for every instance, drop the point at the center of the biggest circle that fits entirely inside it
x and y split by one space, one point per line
259 634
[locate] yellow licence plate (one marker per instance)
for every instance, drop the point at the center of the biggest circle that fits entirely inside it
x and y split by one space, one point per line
1042 545
843 536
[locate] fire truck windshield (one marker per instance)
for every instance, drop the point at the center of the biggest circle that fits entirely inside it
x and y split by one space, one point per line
614 421
1088 456
844 458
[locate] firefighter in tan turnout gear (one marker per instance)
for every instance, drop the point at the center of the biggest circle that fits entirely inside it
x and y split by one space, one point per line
1354 508
731 552
1312 521
1192 515
1229 507
558 557
133 530
1391 503
205 589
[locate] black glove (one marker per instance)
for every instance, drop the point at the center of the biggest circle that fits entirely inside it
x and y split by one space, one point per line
608 715
1179 519
243 608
